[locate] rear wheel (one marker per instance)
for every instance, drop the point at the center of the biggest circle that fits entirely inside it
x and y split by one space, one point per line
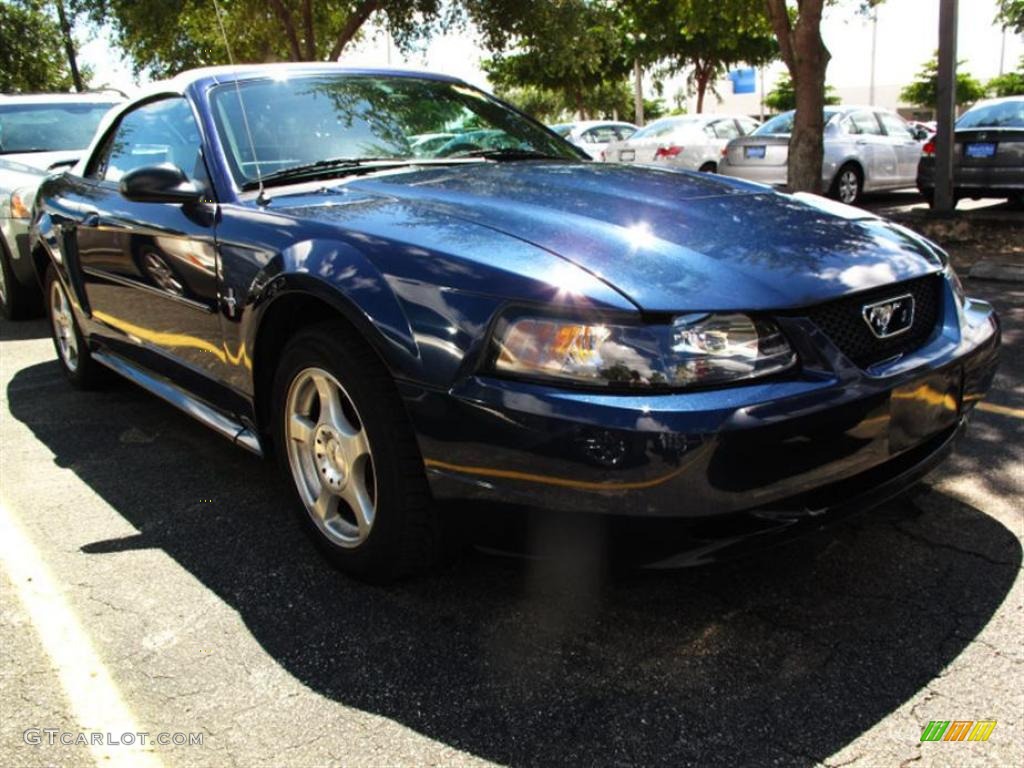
848 185
72 351
348 451
709 168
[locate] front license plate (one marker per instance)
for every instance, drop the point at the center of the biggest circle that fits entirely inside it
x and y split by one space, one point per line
922 408
753 153
627 155
980 149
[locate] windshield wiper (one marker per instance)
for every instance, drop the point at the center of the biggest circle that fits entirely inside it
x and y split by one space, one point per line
329 166
509 153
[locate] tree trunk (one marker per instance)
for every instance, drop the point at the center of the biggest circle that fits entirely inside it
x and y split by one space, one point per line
307 27
703 76
69 47
285 17
807 59
352 25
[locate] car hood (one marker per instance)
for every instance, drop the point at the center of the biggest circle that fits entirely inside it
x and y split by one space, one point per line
671 240
40 161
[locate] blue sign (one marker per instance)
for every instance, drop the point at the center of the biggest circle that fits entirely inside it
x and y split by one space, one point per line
744 80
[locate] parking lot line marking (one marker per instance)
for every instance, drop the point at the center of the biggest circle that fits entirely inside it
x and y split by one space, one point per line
95 702
1002 410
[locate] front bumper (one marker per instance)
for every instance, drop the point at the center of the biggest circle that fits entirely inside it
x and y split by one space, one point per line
15 236
775 445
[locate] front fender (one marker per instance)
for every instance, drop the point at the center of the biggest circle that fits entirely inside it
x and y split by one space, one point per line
341 277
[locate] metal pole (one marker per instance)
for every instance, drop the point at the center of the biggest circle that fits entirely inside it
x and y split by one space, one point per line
638 92
1002 53
946 106
874 47
762 94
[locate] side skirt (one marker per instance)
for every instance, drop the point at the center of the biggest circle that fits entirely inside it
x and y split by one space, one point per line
216 420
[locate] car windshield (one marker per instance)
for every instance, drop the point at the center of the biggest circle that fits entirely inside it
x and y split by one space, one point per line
662 127
293 122
563 129
53 127
1004 114
782 125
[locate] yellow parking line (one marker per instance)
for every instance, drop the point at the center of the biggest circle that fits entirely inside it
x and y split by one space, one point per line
95 702
1002 410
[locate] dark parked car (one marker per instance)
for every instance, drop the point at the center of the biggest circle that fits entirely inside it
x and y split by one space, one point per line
262 247
988 153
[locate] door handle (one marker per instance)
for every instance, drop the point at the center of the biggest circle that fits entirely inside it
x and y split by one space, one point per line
91 220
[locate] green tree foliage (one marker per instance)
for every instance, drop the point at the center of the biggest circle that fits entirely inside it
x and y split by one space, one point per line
573 48
782 97
1011 15
1008 84
164 37
701 37
924 90
31 49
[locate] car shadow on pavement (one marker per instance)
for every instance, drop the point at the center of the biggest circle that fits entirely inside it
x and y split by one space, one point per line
23 331
787 656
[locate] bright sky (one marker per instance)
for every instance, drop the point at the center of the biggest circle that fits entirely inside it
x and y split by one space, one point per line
907 36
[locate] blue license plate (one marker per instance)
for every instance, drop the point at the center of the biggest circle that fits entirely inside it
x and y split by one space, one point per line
753 153
980 149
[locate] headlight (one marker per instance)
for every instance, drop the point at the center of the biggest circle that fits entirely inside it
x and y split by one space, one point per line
21 204
694 350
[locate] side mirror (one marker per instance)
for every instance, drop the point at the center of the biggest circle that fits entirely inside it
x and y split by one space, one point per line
159 184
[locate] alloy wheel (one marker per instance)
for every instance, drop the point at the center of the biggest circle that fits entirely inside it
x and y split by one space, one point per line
63 322
330 457
849 184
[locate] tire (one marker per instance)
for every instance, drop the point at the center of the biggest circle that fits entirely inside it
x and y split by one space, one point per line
359 454
848 185
709 168
73 353
16 301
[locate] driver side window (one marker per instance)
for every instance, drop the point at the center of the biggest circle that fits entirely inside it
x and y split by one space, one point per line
155 133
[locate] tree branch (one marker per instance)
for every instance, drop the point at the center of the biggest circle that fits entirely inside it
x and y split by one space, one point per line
352 25
291 35
779 18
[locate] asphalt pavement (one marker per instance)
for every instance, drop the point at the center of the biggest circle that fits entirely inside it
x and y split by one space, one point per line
152 580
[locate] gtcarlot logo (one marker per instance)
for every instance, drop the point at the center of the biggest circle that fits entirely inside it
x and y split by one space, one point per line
52 736
958 730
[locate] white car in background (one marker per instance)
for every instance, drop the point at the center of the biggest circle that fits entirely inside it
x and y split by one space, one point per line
867 149
694 142
592 136
38 134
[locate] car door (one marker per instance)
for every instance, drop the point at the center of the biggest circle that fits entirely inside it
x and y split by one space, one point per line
150 269
872 148
907 148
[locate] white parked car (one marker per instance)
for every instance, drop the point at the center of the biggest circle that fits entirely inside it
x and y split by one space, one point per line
592 136
694 142
38 133
866 149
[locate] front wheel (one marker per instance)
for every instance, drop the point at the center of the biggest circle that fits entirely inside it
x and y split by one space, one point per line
848 184
349 453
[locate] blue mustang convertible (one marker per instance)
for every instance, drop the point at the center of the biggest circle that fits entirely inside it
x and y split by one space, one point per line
413 294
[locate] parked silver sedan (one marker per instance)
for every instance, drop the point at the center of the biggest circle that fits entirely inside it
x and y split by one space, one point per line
867 149
694 142
37 133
